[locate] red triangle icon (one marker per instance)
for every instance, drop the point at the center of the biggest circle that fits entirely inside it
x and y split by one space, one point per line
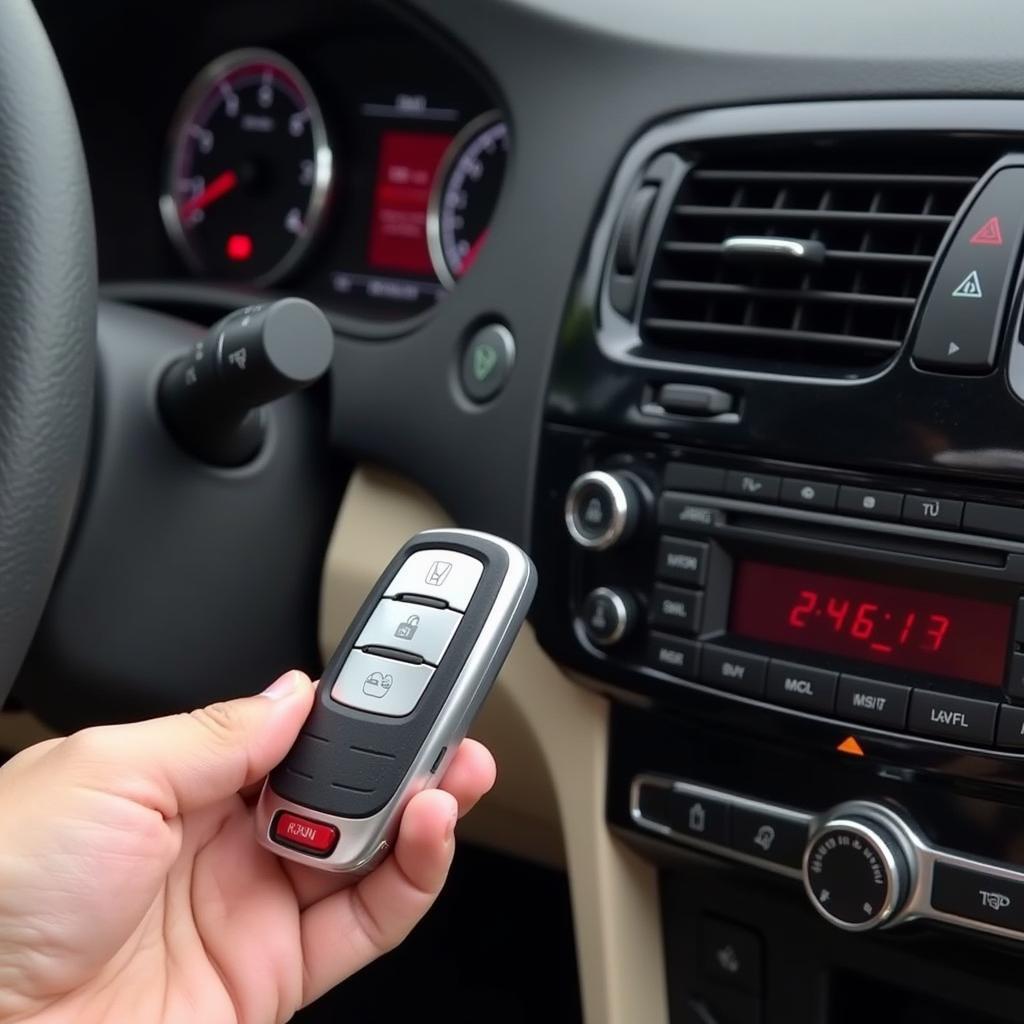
851 746
988 234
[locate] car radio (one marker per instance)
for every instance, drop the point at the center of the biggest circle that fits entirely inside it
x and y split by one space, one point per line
875 603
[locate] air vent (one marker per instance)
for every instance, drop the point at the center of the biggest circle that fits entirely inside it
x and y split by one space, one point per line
855 236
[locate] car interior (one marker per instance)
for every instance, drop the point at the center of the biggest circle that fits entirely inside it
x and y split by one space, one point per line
715 310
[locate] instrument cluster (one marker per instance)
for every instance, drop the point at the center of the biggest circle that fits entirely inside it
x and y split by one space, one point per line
349 156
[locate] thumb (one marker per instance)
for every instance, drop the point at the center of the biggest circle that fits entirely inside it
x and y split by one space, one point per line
184 762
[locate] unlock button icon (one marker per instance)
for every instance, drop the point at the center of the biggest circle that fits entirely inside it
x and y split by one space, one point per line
407 630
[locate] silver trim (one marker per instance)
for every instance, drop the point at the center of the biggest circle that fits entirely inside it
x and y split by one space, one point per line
886 526
733 800
779 248
621 612
359 843
435 243
620 510
323 157
921 856
895 883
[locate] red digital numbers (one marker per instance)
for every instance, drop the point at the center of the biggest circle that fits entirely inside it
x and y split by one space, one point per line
894 629
804 607
940 634
837 611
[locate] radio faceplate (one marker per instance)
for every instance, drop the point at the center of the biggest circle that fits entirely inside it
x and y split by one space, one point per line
796 600
796 619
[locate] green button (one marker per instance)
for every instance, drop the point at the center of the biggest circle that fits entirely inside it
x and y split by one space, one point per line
487 362
485 359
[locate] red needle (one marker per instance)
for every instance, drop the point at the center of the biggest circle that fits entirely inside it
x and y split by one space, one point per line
217 189
474 250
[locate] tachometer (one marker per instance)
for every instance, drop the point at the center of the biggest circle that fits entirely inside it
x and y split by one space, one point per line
249 169
465 194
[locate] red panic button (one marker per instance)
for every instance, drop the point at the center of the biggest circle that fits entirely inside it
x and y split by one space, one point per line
313 836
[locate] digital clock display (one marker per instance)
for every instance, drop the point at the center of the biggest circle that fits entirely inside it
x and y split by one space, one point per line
911 629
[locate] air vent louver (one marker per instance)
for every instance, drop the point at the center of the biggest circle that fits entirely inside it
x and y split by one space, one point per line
879 220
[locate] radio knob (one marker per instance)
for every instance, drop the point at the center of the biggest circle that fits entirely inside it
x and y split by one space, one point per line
602 509
607 615
855 871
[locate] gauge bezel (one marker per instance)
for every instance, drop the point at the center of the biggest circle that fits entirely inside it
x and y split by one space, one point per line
435 243
323 158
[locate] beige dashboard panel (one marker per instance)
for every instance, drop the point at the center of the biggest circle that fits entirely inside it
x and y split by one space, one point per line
549 737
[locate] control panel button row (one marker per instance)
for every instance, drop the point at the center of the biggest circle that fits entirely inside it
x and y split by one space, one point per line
735 826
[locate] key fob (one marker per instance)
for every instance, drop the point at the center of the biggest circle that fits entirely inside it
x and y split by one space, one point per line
396 698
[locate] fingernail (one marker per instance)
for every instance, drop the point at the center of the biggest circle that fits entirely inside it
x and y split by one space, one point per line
449 832
281 688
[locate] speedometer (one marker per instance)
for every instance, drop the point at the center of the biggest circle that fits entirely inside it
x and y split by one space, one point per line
464 195
249 169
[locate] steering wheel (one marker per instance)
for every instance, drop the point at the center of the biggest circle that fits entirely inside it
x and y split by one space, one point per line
47 324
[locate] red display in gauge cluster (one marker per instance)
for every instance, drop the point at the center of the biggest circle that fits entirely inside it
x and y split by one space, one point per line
405 174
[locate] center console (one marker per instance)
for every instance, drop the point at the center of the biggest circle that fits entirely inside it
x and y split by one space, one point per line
780 521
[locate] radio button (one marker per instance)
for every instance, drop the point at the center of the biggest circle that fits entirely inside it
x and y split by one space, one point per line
1018 629
699 817
672 655
678 610
873 703
768 835
871 504
809 494
937 512
1011 727
978 896
810 689
682 476
678 513
1015 680
683 561
957 718
733 670
753 486
607 615
994 520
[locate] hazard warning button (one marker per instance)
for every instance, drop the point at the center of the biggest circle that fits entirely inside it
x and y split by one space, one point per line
964 313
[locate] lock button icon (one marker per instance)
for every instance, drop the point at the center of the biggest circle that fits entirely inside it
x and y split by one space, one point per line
407 630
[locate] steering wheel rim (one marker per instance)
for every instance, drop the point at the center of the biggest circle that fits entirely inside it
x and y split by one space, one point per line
47 324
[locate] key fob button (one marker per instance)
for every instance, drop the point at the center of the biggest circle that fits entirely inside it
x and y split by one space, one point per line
410 627
447 575
307 834
380 686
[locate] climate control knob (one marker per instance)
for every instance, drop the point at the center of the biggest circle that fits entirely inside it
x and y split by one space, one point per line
855 871
607 615
602 509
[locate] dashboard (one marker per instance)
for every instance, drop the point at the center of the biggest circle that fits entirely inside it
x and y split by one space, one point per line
717 310
287 154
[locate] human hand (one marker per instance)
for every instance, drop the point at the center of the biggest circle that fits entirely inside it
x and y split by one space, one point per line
132 887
